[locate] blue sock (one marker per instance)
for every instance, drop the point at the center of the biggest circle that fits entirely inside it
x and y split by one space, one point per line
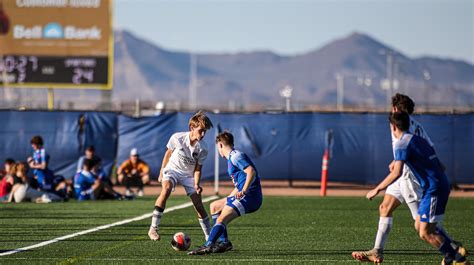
216 232
223 237
447 250
440 230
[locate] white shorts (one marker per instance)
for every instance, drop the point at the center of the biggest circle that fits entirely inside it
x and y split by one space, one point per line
26 193
185 180
405 188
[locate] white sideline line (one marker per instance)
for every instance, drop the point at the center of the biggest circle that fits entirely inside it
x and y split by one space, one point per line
102 227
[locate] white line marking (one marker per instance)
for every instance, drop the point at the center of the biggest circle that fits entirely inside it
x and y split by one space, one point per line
102 227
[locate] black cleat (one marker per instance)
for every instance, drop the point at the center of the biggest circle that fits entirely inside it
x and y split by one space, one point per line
201 250
222 247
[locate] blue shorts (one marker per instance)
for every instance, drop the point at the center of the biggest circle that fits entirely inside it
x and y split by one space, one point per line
45 179
248 204
432 207
84 197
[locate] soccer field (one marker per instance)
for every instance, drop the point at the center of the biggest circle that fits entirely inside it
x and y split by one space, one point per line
285 230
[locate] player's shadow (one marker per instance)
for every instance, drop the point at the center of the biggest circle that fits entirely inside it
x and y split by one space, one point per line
332 252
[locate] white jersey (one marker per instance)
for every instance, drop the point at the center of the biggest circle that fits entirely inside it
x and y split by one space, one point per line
415 129
184 158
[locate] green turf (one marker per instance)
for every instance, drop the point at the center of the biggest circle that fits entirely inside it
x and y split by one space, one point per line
285 230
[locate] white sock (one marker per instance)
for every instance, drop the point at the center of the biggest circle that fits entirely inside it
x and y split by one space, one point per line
156 218
385 224
413 206
206 226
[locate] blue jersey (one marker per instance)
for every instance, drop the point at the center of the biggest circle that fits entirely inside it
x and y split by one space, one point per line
83 182
40 156
45 177
421 158
236 164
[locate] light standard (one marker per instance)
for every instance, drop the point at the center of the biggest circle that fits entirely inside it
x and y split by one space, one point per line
340 91
389 72
426 78
286 94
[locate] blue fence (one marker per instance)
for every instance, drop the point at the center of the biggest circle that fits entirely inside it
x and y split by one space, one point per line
283 146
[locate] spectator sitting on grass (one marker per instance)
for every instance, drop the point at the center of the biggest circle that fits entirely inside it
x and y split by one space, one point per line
6 182
89 154
39 163
22 192
134 171
88 187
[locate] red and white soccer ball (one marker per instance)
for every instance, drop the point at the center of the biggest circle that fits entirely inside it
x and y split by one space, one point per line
181 241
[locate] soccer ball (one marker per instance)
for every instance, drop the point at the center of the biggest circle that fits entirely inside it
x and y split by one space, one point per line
180 241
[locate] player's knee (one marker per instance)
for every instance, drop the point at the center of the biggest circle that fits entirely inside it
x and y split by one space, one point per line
166 190
213 207
384 210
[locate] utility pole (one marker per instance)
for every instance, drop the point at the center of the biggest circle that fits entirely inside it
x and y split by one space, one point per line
192 81
340 91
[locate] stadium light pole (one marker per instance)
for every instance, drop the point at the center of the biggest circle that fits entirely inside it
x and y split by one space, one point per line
192 80
286 93
426 79
389 54
340 92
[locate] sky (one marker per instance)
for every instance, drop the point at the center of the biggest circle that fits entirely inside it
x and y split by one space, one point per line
441 28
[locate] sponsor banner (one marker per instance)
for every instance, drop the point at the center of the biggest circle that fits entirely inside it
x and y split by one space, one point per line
56 43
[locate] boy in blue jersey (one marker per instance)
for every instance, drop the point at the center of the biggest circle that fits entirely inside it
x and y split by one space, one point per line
39 163
245 198
420 157
86 185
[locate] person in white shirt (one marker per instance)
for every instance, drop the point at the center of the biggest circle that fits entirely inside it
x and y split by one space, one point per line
406 189
182 164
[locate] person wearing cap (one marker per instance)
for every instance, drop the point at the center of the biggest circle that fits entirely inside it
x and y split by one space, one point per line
134 171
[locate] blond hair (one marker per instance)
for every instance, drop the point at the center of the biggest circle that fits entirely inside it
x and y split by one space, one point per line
200 120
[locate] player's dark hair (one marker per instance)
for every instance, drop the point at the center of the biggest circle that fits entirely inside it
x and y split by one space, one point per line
9 161
226 138
89 163
400 119
90 148
403 103
37 140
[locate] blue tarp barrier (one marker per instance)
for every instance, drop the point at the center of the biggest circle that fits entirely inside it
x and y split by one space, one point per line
282 146
100 130
59 130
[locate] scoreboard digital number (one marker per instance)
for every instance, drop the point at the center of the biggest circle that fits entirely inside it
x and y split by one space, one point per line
22 69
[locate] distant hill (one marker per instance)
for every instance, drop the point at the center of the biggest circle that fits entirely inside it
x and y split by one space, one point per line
144 70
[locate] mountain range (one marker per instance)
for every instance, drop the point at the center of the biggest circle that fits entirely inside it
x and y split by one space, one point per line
244 80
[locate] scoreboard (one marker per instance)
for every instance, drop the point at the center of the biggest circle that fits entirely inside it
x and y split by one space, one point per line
56 43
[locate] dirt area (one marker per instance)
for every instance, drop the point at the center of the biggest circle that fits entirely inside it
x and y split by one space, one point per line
297 188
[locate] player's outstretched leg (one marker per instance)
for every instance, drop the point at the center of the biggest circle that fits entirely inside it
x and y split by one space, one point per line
160 205
228 214
429 233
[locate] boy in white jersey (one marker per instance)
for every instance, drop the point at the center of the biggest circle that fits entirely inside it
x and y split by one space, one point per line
182 164
404 189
